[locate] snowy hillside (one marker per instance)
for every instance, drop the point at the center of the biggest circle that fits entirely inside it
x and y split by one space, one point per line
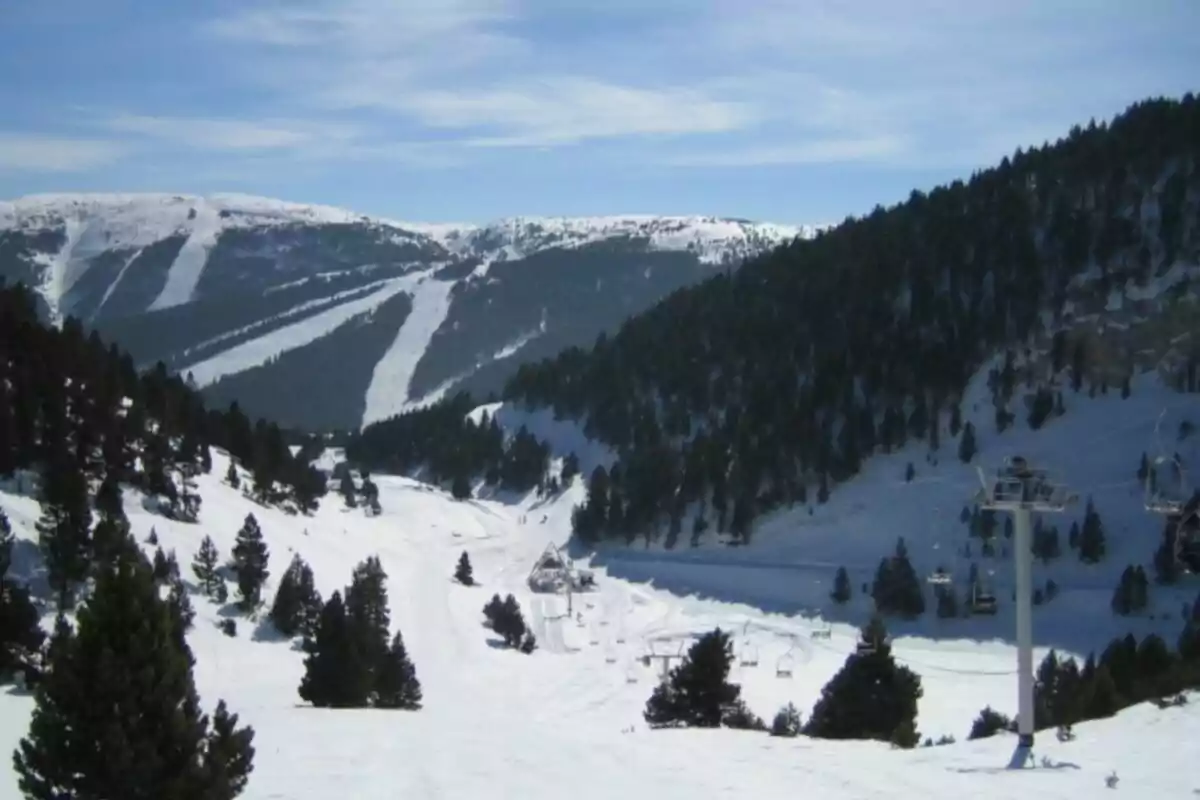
793 554
499 724
249 293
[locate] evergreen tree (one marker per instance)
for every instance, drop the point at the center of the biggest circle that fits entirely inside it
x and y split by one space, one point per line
367 613
460 487
231 475
205 567
21 634
348 490
112 530
250 563
508 621
1091 537
871 697
117 714
297 603
841 587
966 444
396 684
787 722
988 724
697 692
897 589
336 673
64 529
462 573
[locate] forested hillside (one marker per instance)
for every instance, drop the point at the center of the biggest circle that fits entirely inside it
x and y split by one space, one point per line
771 384
74 410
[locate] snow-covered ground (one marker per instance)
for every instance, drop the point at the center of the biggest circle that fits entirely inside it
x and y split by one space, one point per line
500 724
388 392
789 566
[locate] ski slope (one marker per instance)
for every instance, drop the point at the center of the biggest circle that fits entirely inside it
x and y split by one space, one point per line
500 724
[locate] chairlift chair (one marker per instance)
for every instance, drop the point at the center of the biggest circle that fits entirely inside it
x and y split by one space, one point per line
983 599
939 577
749 655
784 666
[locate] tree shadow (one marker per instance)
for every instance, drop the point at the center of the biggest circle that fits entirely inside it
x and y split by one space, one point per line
1021 759
265 631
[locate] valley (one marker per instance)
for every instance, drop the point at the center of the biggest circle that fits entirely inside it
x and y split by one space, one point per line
495 721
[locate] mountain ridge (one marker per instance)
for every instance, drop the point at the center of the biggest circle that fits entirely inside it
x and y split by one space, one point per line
229 284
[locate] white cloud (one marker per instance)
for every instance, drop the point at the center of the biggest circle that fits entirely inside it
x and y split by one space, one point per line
568 110
233 134
30 153
454 65
732 82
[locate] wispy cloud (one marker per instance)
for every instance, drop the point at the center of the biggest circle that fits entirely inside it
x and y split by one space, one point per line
25 153
233 134
926 84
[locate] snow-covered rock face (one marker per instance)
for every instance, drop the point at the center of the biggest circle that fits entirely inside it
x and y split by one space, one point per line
321 317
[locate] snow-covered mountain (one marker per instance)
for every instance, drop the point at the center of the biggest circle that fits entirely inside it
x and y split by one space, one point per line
322 317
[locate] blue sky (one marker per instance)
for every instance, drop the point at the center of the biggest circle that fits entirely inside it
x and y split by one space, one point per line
468 110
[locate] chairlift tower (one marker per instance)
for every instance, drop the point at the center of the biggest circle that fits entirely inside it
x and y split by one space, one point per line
1021 489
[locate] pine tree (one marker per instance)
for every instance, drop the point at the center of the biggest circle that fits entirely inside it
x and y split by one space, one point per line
117 713
297 602
229 756
460 487
787 722
250 563
367 613
897 589
348 490
462 572
988 724
336 674
231 475
697 692
509 622
871 697
21 634
64 529
396 684
841 587
1091 537
112 530
966 444
205 567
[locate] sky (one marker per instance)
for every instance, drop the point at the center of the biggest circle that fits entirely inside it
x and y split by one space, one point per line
799 111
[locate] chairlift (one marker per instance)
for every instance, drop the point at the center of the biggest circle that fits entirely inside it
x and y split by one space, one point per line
823 633
983 599
939 577
749 655
785 665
